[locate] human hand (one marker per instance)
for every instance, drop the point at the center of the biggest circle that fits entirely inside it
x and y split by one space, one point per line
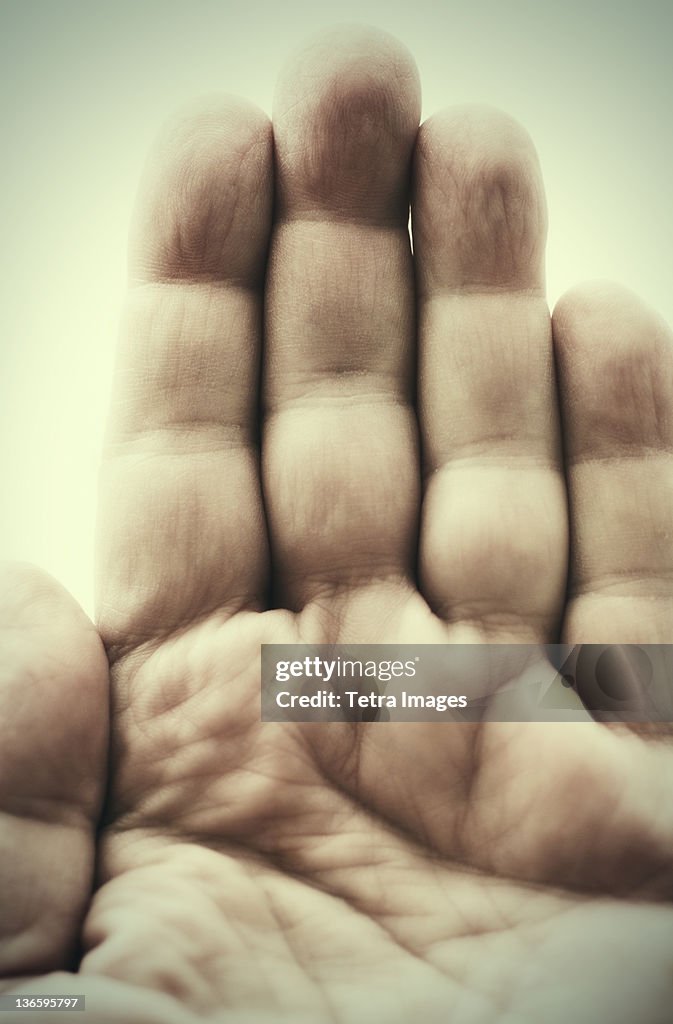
424 446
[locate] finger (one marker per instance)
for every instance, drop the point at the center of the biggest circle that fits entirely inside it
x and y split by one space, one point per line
53 736
340 447
493 534
615 360
182 528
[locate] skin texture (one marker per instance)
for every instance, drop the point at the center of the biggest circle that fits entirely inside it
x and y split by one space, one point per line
317 436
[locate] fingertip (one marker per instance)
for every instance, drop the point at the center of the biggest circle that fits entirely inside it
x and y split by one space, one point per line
614 357
478 204
34 605
345 115
211 115
31 598
604 306
54 667
207 180
605 335
345 48
479 131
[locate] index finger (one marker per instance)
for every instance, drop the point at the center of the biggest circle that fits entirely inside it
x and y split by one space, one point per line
182 529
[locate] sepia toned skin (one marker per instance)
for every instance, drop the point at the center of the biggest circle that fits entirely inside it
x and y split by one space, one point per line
318 436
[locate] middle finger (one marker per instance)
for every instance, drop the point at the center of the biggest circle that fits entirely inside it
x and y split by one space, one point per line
340 452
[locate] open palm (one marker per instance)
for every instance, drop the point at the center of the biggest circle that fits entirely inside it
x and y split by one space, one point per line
319 436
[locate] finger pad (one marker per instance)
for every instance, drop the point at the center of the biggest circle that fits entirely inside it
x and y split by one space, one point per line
205 201
345 117
478 207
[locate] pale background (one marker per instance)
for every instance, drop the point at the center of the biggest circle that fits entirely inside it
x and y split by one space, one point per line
85 86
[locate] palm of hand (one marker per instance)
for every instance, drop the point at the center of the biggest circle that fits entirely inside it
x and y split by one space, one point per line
362 872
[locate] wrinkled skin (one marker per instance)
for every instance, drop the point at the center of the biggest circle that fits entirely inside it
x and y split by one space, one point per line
317 437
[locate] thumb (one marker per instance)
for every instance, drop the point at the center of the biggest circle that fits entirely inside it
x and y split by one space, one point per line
53 750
